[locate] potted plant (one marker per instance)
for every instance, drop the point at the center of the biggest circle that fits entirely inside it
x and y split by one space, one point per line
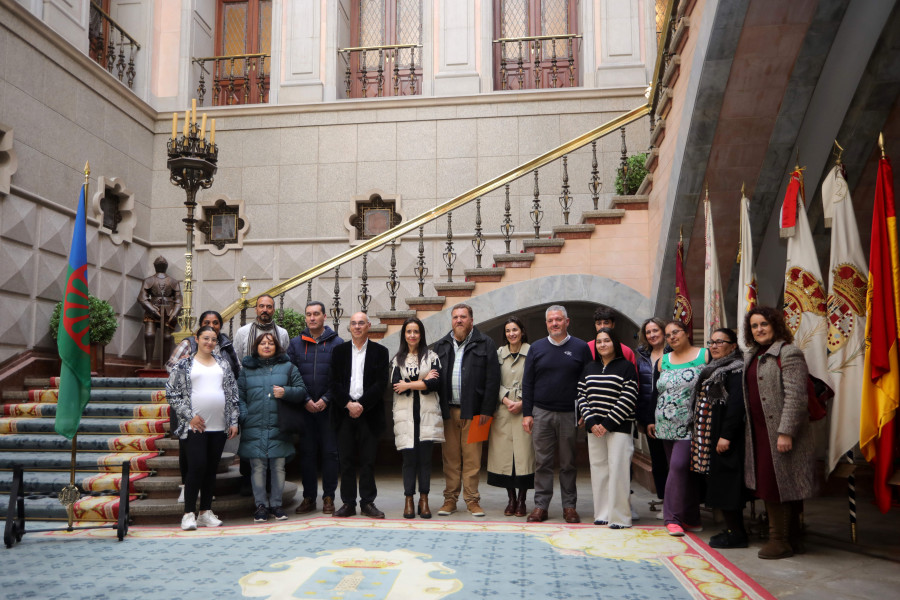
103 327
291 320
634 175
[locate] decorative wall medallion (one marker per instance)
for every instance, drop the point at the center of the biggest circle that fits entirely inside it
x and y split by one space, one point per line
372 215
8 161
113 205
221 225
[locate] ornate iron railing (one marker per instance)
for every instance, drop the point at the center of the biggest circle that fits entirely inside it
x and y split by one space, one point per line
538 61
107 42
369 66
234 78
501 184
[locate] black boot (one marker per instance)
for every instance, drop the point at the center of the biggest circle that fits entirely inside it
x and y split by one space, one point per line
510 509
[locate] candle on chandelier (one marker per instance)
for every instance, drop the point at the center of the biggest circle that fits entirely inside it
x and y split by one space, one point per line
212 133
193 111
203 129
174 125
187 123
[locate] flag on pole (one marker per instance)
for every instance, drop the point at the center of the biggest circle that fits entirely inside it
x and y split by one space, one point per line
683 310
747 298
73 338
805 302
846 315
881 374
713 301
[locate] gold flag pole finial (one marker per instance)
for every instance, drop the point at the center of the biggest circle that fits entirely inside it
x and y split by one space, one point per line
838 153
681 234
743 189
797 167
881 144
706 185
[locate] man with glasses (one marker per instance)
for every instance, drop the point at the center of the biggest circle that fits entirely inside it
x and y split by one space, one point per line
359 373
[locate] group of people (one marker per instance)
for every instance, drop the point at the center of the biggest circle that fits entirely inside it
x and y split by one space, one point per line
720 426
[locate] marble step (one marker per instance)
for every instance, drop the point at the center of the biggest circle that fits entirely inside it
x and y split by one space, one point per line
87 442
89 425
135 411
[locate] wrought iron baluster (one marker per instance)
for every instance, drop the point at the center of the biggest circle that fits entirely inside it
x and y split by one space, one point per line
347 75
261 78
571 59
364 297
231 327
565 200
363 74
652 124
449 255
218 66
421 270
201 87
412 71
624 164
281 304
595 184
120 58
536 213
110 54
536 53
507 228
478 243
521 72
554 71
247 69
229 100
396 72
336 311
380 77
504 81
244 315
392 284
130 72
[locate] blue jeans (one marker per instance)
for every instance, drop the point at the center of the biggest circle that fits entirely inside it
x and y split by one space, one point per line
258 481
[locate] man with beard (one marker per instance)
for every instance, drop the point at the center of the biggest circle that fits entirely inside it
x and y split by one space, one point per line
246 335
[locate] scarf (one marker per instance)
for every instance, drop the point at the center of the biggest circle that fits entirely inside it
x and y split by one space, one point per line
702 444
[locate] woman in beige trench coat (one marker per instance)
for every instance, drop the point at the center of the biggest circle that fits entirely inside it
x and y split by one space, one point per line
510 451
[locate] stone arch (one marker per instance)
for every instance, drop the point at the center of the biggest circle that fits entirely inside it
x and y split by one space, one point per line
581 291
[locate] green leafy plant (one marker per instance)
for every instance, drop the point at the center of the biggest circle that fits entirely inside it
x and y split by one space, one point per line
103 320
633 177
291 320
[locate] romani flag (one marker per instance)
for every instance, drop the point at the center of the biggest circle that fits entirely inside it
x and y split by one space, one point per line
881 374
74 337
846 315
805 302
747 298
713 301
683 311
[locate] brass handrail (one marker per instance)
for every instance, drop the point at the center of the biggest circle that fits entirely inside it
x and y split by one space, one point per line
539 38
386 47
444 208
115 24
371 244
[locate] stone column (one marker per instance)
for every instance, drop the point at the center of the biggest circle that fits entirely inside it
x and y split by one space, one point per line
301 77
456 71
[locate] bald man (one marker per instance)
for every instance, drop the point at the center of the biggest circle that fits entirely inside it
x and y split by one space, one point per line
359 374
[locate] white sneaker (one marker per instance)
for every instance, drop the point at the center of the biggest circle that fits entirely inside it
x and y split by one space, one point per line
208 519
181 495
634 515
188 522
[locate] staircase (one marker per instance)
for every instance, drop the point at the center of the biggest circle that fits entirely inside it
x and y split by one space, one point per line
127 419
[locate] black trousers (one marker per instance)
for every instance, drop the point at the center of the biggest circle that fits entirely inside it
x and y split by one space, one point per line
659 465
357 445
417 460
203 452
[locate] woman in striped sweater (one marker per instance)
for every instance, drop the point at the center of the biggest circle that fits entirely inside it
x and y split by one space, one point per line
607 393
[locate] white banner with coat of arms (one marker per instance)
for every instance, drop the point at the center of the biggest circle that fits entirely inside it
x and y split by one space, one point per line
848 277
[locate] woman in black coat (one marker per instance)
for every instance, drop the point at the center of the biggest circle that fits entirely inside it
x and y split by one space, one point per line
717 443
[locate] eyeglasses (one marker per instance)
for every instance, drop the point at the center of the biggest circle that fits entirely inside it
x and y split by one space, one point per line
674 334
714 343
358 323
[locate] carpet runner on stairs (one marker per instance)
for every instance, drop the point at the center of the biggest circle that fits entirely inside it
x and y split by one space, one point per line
126 420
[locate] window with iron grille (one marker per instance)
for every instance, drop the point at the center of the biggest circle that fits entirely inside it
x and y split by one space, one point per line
537 44
240 71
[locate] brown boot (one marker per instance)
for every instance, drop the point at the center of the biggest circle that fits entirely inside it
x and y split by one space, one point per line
795 531
521 508
424 511
409 509
510 509
779 514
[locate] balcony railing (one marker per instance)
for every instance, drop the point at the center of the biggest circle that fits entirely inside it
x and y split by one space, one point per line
369 66
107 41
539 61
235 79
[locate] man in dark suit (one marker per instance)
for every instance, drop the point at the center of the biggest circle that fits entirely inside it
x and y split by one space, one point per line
359 374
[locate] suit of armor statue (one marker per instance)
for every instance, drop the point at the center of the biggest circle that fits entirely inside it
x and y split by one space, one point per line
160 295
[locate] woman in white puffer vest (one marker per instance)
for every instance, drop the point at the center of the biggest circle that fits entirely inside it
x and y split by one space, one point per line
419 412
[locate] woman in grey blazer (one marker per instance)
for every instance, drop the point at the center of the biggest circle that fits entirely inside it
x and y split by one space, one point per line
779 460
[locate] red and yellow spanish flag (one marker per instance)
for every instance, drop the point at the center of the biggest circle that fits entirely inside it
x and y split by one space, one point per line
684 312
881 379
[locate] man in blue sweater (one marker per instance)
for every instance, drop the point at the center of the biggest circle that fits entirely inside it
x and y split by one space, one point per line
549 389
